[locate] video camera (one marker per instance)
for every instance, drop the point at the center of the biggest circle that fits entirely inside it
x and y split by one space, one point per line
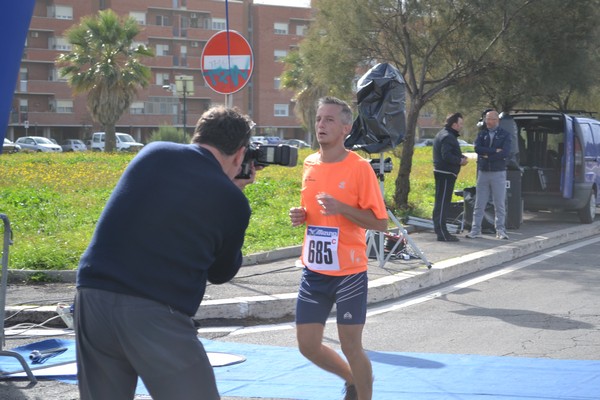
376 165
267 154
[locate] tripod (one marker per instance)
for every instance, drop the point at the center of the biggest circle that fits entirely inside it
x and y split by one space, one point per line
375 239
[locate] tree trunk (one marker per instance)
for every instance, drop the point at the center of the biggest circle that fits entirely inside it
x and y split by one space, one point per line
110 138
403 178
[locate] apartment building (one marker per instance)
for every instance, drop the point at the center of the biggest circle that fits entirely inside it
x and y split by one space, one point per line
177 31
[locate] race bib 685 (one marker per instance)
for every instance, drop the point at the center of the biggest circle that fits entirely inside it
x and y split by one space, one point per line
321 248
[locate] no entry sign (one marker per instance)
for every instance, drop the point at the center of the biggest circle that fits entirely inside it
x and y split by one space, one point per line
227 62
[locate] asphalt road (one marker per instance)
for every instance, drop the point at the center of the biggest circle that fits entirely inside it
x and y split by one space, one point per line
542 306
545 306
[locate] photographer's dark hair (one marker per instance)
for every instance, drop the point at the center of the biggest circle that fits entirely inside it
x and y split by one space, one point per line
346 110
452 119
226 129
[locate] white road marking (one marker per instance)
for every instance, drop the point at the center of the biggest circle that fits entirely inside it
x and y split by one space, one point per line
412 300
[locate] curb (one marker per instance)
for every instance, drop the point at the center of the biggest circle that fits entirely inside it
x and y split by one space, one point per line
400 284
272 307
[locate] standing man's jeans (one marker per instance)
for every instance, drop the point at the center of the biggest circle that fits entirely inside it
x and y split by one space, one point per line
490 183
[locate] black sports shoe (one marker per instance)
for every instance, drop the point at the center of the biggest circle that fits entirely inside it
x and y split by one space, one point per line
350 392
447 238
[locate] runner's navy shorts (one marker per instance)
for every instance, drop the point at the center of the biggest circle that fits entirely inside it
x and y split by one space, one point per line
318 293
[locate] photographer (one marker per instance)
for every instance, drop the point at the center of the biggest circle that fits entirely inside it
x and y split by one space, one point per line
175 220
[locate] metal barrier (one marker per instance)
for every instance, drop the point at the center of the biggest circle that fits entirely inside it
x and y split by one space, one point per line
3 286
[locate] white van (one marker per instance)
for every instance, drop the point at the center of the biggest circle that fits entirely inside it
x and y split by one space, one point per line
125 142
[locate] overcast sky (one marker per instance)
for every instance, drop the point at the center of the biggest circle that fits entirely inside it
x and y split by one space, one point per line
294 3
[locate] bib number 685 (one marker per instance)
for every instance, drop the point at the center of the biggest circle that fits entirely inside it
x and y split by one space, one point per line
319 252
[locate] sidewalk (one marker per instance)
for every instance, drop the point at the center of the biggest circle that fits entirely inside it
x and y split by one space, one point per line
265 288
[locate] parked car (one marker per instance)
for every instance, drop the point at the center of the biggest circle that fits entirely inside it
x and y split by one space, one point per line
258 140
557 156
296 142
273 139
424 143
125 142
10 147
73 145
38 143
429 142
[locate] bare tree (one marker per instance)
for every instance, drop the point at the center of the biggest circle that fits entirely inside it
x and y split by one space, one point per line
435 44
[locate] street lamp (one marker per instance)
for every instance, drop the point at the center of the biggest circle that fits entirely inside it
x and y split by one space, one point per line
184 85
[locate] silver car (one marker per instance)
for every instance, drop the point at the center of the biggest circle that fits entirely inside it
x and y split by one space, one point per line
73 145
38 143
10 147
301 144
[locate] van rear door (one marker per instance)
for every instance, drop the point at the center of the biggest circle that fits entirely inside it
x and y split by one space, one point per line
592 154
568 167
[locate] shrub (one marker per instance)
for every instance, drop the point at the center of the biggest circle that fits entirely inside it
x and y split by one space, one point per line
167 133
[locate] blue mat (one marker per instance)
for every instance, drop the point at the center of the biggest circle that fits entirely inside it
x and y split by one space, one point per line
9 365
281 372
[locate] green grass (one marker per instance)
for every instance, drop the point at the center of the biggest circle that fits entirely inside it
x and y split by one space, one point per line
54 200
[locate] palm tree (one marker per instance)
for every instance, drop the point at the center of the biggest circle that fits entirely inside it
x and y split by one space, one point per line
104 65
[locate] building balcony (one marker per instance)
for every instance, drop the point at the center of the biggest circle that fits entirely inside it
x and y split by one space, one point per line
50 24
45 56
44 88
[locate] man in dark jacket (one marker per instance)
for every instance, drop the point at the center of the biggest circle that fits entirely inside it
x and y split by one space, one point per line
447 160
492 146
175 220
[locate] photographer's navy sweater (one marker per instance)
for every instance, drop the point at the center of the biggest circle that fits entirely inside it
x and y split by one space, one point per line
174 221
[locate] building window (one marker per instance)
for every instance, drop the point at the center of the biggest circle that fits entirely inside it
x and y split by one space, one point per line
64 106
277 83
137 107
136 45
162 20
23 105
281 110
219 24
162 105
301 30
140 17
59 43
162 49
162 78
280 28
60 12
53 75
280 55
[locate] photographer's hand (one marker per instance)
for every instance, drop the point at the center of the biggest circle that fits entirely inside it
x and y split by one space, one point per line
297 215
242 183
